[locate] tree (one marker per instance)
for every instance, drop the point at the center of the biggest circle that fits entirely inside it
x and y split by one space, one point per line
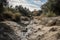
2 4
52 5
24 11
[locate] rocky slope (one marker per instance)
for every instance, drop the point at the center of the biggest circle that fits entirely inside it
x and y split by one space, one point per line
43 29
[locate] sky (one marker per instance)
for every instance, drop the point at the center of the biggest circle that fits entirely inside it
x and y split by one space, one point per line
31 4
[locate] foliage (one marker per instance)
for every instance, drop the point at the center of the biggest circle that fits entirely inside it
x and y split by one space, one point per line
7 15
50 14
16 17
13 13
52 5
24 11
2 4
11 16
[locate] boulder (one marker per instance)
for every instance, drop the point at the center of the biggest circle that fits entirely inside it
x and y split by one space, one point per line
51 22
58 22
9 31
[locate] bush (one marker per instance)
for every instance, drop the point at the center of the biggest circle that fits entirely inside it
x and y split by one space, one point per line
11 16
7 15
50 14
16 17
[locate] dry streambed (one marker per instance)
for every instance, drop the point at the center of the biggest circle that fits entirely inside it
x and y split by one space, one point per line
44 29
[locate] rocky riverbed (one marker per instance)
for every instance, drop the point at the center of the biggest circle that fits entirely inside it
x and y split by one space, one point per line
47 28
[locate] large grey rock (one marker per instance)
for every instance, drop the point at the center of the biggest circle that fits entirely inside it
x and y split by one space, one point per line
51 22
10 31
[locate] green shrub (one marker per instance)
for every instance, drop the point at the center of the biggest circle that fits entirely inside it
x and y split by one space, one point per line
50 14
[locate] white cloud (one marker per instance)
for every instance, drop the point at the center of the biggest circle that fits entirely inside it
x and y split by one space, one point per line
37 2
31 7
24 3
